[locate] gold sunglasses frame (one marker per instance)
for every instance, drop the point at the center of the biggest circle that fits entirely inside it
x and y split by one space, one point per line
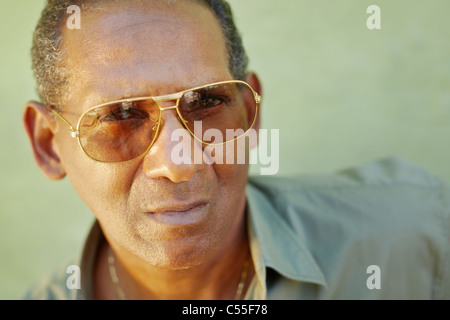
158 99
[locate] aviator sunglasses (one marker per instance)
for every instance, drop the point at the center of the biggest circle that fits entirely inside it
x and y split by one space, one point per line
126 129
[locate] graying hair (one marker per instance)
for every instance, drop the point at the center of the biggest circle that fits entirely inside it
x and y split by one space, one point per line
52 75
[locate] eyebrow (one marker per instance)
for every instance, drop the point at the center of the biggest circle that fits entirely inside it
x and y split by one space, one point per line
118 98
124 97
98 99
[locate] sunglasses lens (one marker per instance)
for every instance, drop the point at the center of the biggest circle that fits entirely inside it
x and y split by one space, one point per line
119 131
219 113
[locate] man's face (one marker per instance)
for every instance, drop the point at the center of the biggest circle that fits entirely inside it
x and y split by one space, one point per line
173 216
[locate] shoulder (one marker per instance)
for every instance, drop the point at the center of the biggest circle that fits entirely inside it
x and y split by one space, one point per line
59 285
388 187
389 212
74 280
383 173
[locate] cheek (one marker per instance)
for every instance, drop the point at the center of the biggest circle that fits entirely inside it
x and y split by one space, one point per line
231 162
102 186
232 181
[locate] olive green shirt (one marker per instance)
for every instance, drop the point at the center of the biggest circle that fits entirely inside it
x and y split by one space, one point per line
380 231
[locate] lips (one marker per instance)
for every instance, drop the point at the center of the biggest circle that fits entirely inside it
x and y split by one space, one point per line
178 208
178 215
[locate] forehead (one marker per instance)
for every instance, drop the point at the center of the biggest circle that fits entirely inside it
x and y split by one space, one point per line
136 48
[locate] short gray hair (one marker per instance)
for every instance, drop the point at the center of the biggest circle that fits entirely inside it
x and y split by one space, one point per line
52 75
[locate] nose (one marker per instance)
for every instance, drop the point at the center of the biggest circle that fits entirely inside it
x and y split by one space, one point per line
163 158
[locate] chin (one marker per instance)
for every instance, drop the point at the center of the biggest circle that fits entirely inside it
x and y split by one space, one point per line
178 255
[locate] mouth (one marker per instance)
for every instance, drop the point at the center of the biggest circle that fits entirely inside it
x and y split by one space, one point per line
180 215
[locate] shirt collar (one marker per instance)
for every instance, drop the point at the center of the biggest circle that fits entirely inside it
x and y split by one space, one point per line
280 247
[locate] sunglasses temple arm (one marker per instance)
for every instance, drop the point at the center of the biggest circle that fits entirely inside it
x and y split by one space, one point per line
74 133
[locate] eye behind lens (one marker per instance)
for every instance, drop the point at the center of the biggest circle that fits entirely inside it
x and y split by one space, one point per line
220 109
118 132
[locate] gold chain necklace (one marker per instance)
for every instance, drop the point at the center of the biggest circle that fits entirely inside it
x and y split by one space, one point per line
119 291
114 276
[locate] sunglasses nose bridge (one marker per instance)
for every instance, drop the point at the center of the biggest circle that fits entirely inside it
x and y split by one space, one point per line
169 102
164 102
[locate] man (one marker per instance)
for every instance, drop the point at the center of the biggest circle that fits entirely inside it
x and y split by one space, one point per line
112 94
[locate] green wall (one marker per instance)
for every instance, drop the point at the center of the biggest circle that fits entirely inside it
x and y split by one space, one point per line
340 94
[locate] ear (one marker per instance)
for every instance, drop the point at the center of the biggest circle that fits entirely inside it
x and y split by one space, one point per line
253 80
40 127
